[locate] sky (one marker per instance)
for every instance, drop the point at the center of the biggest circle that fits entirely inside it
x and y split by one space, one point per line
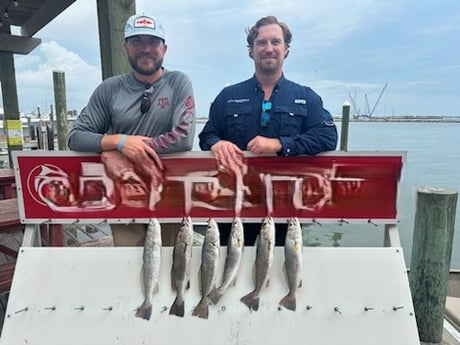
344 50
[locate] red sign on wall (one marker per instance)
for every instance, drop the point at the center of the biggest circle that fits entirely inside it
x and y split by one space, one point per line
63 187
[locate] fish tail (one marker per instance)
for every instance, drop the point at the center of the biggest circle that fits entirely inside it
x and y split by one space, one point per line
289 301
144 311
215 295
251 300
202 309
177 308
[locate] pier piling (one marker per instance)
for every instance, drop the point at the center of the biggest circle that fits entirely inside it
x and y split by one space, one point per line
345 123
430 261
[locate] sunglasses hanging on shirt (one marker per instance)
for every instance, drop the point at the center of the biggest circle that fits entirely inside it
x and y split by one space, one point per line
265 116
146 102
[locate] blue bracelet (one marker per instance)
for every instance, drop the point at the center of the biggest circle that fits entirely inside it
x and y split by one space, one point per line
121 143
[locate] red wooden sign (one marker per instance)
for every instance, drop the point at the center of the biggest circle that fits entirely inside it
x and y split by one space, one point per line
63 187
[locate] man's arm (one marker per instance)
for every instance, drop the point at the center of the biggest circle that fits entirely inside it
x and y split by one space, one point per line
90 126
180 137
227 154
211 133
319 133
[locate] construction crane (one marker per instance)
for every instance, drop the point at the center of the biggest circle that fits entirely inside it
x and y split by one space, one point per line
368 112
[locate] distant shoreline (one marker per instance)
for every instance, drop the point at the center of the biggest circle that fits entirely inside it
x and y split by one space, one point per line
446 119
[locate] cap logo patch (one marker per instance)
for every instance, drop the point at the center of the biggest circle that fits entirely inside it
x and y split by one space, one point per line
144 22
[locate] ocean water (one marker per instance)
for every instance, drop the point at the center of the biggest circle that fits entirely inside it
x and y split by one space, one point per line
432 160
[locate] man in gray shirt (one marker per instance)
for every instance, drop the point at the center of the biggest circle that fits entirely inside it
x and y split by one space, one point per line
136 116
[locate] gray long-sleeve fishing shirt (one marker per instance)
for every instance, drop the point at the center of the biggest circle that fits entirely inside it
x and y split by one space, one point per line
115 107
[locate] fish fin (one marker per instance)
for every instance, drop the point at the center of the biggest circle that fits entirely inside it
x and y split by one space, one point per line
267 284
177 308
188 285
141 277
173 286
215 295
288 301
300 283
251 300
285 275
202 309
144 311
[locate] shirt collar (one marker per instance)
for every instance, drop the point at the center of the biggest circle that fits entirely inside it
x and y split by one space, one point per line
281 81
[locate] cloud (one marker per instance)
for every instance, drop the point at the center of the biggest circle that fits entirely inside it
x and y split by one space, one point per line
338 47
34 77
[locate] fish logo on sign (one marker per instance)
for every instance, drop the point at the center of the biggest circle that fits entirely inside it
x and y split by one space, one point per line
144 22
48 182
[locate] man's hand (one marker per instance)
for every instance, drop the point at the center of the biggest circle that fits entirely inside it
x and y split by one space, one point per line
228 155
137 151
260 144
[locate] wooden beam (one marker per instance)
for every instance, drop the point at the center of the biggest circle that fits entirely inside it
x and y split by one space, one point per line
18 44
45 14
112 16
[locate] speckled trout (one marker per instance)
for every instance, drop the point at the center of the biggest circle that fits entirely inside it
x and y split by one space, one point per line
263 263
235 247
180 270
208 269
150 267
293 248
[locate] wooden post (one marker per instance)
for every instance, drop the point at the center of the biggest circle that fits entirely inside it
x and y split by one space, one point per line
345 122
32 132
9 91
29 126
61 111
112 16
430 261
49 136
40 142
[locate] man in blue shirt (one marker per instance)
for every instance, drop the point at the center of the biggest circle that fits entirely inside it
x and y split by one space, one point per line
267 113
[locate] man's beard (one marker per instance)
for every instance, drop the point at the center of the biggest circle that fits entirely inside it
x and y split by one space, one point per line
268 69
157 65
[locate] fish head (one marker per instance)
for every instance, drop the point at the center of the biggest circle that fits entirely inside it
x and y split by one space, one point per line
294 231
186 221
267 221
237 223
212 231
237 232
267 230
154 223
293 222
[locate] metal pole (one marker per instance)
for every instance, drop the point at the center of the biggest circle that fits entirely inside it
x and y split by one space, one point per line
345 122
430 261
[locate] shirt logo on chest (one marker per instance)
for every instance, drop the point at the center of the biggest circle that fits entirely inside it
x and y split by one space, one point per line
163 102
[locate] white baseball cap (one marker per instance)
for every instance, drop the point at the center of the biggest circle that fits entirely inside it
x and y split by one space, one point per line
141 24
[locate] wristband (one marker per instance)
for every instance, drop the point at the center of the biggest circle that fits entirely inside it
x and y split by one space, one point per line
121 143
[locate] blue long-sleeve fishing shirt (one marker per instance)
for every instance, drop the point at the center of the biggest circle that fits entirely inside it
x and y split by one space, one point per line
297 118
